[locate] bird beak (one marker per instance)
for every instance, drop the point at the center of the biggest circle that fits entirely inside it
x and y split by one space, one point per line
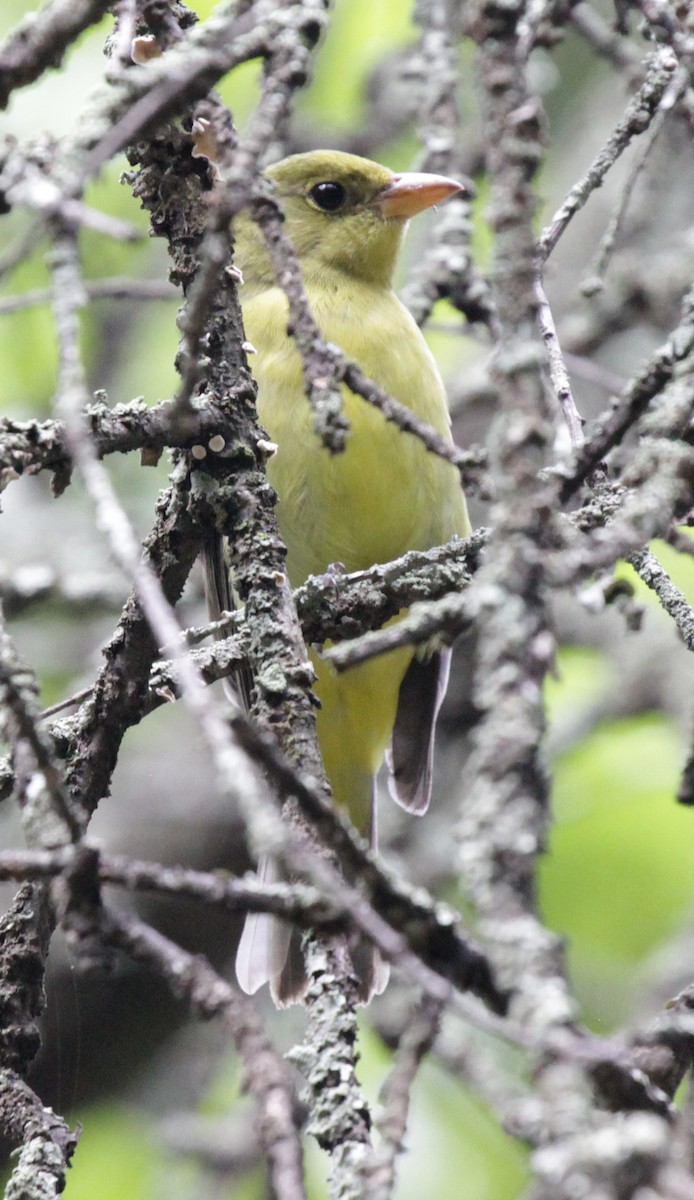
412 192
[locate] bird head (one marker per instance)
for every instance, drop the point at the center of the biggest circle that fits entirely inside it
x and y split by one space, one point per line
349 214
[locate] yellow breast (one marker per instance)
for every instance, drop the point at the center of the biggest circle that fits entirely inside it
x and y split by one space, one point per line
385 494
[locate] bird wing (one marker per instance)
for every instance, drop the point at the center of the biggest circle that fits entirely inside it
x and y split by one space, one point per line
410 756
220 599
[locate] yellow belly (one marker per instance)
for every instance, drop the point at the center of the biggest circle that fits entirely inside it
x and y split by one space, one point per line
355 722
384 495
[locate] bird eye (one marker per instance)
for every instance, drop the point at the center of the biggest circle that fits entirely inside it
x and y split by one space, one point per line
329 196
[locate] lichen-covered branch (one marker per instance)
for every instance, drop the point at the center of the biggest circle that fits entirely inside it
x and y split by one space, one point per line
27 447
504 814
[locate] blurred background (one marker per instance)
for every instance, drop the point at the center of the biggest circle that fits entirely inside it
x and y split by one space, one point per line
617 879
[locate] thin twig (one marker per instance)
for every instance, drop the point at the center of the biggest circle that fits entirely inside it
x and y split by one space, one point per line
42 38
47 807
634 401
593 279
671 598
449 617
636 120
192 979
396 1092
615 47
97 289
293 902
557 367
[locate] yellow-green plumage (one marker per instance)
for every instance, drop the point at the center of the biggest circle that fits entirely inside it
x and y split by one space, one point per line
385 494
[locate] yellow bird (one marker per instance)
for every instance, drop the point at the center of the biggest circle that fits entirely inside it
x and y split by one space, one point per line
384 495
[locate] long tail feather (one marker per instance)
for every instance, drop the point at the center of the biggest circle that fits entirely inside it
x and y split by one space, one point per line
270 951
264 943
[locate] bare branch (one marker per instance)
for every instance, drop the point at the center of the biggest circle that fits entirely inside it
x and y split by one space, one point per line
415 1042
97 289
557 368
41 40
634 400
672 599
207 995
636 120
48 811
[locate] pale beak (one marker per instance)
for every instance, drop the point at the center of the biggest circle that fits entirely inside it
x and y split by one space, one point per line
412 192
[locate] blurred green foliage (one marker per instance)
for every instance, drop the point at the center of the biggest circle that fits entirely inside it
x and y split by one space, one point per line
106 1169
618 877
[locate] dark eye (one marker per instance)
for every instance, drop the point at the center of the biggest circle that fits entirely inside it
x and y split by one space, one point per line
329 196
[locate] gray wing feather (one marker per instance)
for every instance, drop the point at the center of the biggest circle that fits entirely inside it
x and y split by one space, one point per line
411 755
220 599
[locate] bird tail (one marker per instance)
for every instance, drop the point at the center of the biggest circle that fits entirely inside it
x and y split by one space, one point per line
263 949
269 951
